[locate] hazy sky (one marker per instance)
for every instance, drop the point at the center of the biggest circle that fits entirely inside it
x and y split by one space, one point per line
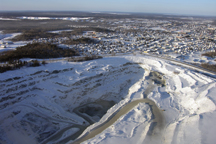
191 7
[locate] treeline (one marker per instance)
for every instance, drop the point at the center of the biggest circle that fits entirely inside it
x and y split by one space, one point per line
34 34
214 22
209 54
37 50
85 58
17 64
79 31
80 41
210 67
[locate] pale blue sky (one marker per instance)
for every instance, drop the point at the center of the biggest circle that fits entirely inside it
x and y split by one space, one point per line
189 7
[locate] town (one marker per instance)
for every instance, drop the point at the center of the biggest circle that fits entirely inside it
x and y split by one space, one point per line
176 38
143 35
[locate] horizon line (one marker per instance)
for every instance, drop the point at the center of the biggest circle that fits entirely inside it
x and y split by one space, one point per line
110 12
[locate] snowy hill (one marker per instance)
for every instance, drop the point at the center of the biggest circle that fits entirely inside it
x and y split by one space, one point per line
55 102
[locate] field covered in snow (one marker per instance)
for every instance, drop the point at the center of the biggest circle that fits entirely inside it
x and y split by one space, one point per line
38 104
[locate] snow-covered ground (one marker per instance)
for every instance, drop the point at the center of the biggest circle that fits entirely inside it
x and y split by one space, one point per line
1 18
7 36
55 18
187 102
38 102
194 57
198 58
59 31
13 46
4 38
